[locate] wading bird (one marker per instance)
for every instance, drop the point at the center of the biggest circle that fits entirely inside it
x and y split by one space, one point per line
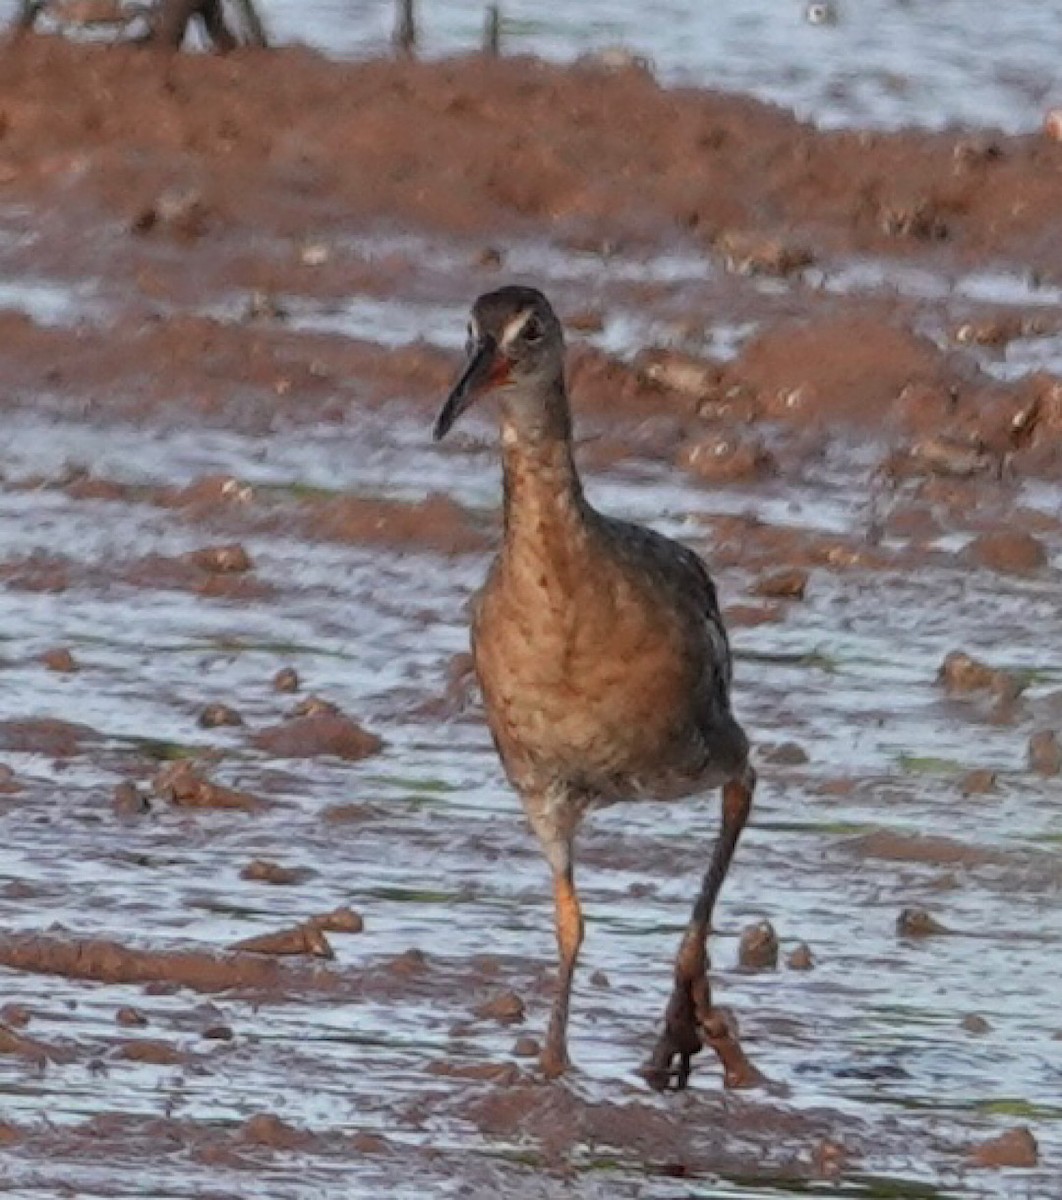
604 665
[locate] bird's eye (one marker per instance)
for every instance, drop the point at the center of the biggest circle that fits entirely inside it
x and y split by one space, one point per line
533 330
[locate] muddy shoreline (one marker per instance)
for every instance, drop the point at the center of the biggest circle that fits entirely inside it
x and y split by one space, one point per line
233 293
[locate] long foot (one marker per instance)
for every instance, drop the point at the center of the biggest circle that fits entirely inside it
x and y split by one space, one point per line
691 1024
669 1064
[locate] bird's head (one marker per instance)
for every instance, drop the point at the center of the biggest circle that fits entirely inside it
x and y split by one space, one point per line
515 347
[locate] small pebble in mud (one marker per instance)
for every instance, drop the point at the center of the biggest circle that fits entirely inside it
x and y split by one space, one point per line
782 585
131 1018
303 939
973 1023
758 949
339 920
726 459
128 801
978 782
216 715
800 958
1015 1148
286 680
918 922
261 870
218 1033
222 560
1008 553
1045 753
526 1046
180 211
785 754
60 659
506 1008
600 979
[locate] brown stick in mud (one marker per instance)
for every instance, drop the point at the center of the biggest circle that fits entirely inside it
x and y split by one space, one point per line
174 16
405 34
492 31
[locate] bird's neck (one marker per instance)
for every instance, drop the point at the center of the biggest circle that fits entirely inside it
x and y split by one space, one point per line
543 493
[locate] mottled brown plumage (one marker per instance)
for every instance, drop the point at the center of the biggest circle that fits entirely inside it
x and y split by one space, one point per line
603 661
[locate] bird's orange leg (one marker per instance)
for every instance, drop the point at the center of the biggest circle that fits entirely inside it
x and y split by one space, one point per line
691 1021
569 921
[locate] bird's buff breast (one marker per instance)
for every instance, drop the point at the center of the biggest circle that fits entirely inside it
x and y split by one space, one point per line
582 685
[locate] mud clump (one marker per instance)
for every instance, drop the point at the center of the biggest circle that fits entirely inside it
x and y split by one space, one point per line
150 1050
1008 553
1015 1148
286 680
131 1018
758 948
305 939
109 962
60 660
260 870
179 212
46 736
217 716
339 920
979 782
436 523
918 923
746 252
127 801
674 371
1045 753
724 459
506 1008
181 784
782 585
222 560
961 674
800 958
974 1023
317 736
266 1129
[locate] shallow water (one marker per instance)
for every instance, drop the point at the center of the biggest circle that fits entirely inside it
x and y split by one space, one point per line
885 63
873 1031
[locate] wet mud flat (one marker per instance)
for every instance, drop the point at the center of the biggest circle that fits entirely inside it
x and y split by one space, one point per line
235 575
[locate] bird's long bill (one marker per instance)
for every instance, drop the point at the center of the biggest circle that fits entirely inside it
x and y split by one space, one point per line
482 371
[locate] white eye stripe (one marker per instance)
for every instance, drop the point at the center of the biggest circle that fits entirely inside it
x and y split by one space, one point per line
515 327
